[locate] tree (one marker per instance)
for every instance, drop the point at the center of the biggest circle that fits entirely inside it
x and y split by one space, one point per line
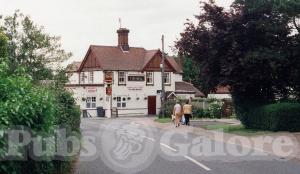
252 48
30 47
191 72
3 47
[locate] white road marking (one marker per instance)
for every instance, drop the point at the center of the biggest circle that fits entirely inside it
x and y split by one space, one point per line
171 148
198 163
151 139
168 147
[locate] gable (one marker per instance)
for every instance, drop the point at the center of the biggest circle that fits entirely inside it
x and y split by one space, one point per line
154 64
90 62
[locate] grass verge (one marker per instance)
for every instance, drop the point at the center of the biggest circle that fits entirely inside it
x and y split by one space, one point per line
237 130
163 120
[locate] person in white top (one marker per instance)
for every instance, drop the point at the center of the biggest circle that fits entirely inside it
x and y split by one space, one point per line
177 111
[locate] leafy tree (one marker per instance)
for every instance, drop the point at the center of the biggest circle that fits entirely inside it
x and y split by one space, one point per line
252 48
30 47
3 47
191 72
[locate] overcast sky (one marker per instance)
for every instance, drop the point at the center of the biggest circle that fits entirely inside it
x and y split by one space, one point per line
81 23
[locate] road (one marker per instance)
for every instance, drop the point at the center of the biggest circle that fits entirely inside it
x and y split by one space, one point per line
130 145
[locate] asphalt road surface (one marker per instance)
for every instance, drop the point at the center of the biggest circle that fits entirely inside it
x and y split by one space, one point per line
130 146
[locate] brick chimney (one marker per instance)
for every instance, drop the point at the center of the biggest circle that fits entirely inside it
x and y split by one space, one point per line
123 39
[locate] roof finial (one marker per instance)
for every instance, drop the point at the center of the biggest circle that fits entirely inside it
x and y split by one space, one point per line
120 22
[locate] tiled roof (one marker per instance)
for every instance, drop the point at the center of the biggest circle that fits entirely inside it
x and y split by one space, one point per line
222 90
175 65
112 58
188 87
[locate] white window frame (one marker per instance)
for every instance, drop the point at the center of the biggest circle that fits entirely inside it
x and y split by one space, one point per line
123 77
82 78
167 78
91 77
121 102
150 75
91 102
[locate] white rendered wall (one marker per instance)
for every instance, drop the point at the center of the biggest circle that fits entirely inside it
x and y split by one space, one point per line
133 90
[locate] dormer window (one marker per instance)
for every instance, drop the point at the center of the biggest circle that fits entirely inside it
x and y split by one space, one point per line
122 78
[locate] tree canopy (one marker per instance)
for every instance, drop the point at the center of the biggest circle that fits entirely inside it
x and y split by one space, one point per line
3 46
253 48
29 46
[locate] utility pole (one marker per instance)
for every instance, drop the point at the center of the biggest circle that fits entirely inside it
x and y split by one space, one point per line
163 97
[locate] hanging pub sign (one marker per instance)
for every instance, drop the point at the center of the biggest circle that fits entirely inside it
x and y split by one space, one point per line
108 90
108 77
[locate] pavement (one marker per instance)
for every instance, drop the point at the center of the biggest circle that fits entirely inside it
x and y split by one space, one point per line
140 145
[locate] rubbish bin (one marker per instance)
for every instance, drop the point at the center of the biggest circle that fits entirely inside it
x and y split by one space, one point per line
100 112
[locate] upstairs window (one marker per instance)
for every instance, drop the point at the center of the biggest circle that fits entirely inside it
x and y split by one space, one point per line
167 78
122 78
91 77
149 78
82 78
91 102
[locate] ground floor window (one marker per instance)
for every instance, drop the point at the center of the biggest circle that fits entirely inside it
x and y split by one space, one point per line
121 102
91 102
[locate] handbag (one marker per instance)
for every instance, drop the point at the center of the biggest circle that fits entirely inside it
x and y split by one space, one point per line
173 117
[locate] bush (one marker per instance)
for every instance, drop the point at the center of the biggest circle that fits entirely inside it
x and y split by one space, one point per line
40 109
201 113
169 108
274 117
215 110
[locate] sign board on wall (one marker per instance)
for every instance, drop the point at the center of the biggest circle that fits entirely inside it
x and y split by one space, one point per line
136 88
91 89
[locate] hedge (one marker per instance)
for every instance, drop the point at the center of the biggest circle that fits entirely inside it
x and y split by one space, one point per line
41 109
213 111
274 117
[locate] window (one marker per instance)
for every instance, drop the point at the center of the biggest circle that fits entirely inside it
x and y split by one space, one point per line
167 78
149 78
122 78
91 102
91 77
121 102
82 77
136 78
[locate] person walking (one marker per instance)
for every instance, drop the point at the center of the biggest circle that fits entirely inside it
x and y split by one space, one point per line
177 111
187 111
